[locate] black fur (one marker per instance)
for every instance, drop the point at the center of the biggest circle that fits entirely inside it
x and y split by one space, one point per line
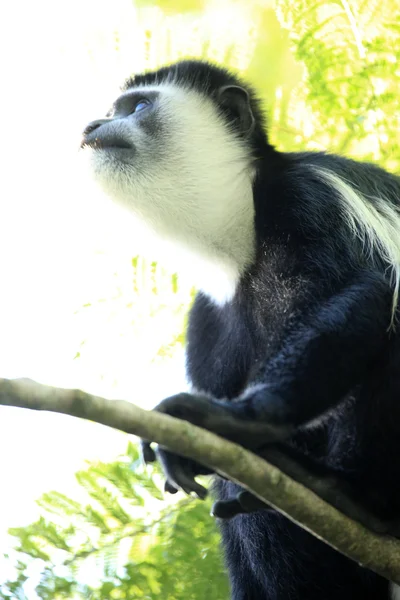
206 79
309 323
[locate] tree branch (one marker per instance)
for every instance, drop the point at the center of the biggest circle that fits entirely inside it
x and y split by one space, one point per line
378 553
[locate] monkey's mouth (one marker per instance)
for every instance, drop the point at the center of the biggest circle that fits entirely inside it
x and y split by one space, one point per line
104 142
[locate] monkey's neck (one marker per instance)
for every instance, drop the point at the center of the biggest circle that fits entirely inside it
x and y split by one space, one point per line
217 254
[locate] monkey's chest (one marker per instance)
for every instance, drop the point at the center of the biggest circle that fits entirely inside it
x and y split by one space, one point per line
221 351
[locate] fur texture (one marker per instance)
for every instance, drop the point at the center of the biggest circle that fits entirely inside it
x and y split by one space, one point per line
298 344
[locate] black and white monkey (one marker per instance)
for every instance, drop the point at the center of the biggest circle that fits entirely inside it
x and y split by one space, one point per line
292 345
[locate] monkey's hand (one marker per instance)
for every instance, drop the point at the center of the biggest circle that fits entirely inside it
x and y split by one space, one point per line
179 472
235 421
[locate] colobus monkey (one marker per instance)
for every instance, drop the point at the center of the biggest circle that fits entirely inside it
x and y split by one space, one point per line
293 347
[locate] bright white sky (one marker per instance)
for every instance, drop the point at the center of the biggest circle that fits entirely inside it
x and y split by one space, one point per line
60 246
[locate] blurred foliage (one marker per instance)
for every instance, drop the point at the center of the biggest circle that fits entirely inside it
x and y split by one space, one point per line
146 299
328 73
350 54
124 540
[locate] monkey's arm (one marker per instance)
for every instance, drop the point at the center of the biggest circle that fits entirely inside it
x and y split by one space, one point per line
320 360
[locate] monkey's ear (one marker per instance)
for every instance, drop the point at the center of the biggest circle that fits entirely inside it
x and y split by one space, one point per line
236 101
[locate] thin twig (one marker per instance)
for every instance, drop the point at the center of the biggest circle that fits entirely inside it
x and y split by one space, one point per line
354 28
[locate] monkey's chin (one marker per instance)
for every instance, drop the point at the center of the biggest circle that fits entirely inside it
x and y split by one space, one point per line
100 166
115 154
108 166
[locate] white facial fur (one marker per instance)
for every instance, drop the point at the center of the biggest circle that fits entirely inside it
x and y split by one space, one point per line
189 179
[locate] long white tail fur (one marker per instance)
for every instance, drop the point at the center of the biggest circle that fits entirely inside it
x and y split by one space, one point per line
375 221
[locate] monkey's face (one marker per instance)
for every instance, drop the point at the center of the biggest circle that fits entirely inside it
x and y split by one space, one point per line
168 154
178 159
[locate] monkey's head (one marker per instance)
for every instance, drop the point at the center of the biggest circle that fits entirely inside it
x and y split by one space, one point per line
178 149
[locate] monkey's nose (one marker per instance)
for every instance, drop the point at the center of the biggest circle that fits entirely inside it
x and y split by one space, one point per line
93 125
100 134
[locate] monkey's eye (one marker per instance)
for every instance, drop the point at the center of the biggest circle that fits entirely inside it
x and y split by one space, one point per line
141 105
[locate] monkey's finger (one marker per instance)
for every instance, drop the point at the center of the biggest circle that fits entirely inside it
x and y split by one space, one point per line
245 502
186 482
226 509
168 487
250 503
178 473
189 485
148 454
